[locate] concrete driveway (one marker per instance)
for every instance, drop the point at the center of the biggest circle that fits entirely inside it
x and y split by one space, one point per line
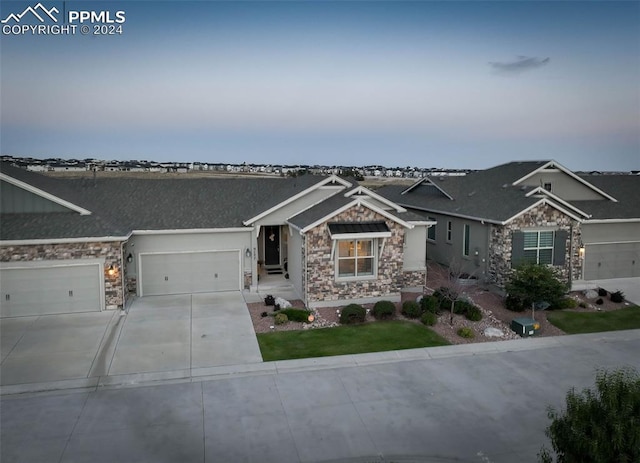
159 334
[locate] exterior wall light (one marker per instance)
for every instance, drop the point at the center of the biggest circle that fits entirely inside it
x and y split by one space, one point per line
247 252
111 271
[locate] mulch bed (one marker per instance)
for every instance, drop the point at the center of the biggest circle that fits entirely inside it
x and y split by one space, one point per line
495 315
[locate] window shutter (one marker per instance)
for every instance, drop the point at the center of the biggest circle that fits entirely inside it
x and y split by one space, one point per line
517 248
559 247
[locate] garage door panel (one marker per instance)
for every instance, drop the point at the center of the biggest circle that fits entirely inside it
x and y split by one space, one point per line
50 290
190 272
620 260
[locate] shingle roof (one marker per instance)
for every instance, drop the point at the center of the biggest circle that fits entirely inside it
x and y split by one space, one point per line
489 194
120 205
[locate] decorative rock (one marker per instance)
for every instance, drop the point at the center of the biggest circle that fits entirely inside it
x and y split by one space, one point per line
591 294
419 299
283 303
493 333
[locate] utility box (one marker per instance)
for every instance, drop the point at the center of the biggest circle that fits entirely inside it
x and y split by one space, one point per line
525 326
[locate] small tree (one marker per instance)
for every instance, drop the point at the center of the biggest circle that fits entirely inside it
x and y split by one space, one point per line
532 283
601 426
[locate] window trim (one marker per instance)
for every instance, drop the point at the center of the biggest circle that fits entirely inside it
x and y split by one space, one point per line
466 238
429 232
374 256
538 248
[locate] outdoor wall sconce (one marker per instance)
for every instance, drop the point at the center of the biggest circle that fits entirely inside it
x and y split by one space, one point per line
112 270
247 252
581 251
130 258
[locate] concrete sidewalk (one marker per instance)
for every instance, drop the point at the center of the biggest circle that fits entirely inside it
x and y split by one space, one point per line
470 403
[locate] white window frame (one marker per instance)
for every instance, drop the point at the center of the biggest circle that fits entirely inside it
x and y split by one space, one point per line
449 231
355 257
537 248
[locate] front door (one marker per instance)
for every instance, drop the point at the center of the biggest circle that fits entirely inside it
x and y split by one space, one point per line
272 245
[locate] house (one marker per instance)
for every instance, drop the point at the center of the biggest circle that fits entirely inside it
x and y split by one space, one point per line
587 226
79 244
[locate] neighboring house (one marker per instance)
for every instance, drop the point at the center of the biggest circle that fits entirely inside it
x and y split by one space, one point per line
587 226
87 244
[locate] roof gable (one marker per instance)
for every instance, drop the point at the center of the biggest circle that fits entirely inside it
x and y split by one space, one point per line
553 166
43 194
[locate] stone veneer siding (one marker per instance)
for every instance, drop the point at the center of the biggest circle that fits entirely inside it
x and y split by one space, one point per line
499 268
110 252
414 278
319 280
247 280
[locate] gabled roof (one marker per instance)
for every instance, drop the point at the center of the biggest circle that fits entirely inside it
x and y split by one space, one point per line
335 205
49 188
496 195
332 179
558 166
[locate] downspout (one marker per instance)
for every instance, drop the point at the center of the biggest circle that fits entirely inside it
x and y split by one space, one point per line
122 278
306 272
570 255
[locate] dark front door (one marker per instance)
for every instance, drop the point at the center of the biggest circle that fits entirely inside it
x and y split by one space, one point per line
272 245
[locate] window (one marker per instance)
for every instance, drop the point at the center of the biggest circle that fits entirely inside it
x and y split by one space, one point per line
449 231
431 231
356 258
547 186
465 240
538 247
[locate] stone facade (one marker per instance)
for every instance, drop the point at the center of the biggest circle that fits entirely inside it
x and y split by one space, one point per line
110 252
499 265
319 281
247 279
414 278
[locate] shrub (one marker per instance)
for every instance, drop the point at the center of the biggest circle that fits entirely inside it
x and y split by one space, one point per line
599 301
269 300
534 282
411 309
296 315
474 314
618 296
384 310
445 296
462 307
429 318
583 305
602 292
514 303
353 313
466 332
264 314
430 304
598 425
566 303
281 319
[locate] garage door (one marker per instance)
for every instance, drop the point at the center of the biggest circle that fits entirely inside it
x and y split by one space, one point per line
50 290
190 272
604 261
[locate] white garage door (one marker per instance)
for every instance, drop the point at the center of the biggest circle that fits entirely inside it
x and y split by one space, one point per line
190 272
50 290
619 260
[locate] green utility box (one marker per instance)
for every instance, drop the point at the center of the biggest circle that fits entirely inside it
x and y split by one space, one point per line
525 326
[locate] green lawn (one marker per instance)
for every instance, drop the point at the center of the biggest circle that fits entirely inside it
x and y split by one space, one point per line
593 322
351 339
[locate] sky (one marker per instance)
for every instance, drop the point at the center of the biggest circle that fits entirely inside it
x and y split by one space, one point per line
428 84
